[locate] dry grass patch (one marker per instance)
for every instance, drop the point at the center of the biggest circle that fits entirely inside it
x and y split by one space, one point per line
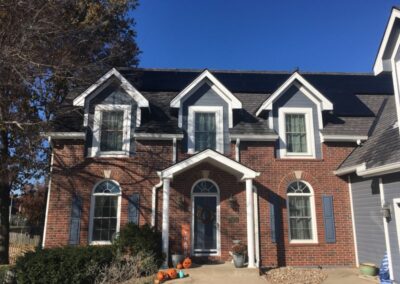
290 275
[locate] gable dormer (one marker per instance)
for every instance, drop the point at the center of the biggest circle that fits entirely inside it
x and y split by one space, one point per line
206 113
112 111
295 113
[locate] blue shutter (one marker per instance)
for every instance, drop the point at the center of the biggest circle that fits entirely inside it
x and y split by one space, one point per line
75 223
272 222
329 219
133 209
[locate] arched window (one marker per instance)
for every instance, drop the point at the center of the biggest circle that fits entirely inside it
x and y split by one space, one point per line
301 212
205 186
105 212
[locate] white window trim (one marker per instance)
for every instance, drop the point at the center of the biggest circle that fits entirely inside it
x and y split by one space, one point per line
97 128
309 129
396 213
218 110
217 195
314 232
92 204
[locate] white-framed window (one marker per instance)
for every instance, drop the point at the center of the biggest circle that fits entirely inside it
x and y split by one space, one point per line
296 133
205 128
111 130
301 213
105 212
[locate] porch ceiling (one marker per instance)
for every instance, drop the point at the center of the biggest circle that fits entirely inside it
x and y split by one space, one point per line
214 158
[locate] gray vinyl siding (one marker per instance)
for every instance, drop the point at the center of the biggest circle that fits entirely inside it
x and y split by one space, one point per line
368 220
205 96
391 188
112 94
296 99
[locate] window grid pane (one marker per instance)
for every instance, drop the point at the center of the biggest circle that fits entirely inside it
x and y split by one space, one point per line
205 131
105 218
111 131
296 134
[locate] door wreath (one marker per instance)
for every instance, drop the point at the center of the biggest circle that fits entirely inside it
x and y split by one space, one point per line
205 215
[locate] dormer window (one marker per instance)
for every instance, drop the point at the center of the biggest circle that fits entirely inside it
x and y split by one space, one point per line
111 130
205 129
296 132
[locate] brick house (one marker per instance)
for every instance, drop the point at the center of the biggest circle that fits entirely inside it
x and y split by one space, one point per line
211 157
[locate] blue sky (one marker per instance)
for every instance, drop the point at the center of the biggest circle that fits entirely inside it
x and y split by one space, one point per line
318 35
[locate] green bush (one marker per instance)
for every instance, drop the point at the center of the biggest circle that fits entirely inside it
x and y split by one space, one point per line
3 272
134 239
62 265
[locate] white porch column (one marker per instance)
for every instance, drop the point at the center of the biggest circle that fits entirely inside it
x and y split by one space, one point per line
250 222
165 220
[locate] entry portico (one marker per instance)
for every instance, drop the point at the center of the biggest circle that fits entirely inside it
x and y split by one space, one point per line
205 195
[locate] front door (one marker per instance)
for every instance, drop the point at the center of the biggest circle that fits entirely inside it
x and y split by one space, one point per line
205 220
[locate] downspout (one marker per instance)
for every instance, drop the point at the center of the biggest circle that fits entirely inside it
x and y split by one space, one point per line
154 201
48 192
174 151
237 150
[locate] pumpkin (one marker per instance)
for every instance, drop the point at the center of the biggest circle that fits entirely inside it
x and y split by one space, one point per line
172 274
179 266
160 276
187 263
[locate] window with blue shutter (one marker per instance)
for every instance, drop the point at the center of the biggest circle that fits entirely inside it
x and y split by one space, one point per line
329 219
133 209
75 222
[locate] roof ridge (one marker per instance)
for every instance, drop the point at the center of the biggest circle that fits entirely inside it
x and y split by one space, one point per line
281 72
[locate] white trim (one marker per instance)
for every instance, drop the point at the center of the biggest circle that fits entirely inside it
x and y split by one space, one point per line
351 169
176 102
308 90
396 204
66 135
97 129
314 232
218 221
343 138
125 84
237 150
92 206
386 229
380 170
353 222
218 110
157 136
310 154
48 194
154 202
395 62
381 64
165 220
254 137
250 223
256 225
212 156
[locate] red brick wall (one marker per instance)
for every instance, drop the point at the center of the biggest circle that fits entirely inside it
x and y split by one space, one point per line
72 172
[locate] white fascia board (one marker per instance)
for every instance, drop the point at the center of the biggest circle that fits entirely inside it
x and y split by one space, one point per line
380 64
235 103
65 135
343 138
254 137
323 101
246 172
381 170
349 170
125 84
157 136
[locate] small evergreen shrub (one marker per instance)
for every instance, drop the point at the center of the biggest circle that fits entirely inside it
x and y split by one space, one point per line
134 239
63 265
3 272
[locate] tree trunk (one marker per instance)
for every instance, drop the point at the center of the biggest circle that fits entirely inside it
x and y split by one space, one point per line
4 200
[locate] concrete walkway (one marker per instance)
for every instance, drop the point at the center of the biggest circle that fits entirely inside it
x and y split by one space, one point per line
227 273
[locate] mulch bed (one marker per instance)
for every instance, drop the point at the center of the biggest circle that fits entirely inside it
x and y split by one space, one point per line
290 275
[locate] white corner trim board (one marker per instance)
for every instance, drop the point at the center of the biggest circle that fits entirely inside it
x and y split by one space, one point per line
125 84
311 92
353 222
227 95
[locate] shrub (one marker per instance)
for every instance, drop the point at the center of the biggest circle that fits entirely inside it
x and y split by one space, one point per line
239 249
134 239
3 272
63 265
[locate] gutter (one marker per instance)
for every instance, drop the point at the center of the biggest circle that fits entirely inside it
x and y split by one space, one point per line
344 138
157 136
65 135
381 170
349 170
254 137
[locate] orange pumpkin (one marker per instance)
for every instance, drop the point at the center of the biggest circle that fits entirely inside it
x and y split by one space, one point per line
187 263
172 274
179 266
160 276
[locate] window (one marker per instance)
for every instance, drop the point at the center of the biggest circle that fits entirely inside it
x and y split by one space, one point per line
111 130
301 212
105 212
296 133
205 129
